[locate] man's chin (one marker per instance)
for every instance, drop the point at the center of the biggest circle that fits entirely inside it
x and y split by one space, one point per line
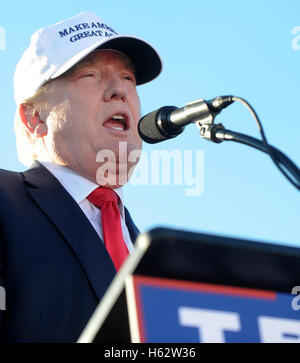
110 179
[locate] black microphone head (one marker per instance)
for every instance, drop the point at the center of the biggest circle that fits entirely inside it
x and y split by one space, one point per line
149 129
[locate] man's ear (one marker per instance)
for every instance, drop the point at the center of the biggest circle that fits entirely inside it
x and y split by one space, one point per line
33 123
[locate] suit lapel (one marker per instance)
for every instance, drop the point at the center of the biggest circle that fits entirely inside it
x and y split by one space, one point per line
66 215
132 229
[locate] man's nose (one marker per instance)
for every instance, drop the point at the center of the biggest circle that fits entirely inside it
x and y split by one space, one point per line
115 89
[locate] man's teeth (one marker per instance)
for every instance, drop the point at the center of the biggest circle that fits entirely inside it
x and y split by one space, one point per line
118 117
117 122
118 128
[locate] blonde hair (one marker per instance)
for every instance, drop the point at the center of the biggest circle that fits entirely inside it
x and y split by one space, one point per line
25 141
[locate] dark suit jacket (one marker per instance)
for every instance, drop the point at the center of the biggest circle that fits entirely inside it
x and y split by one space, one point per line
53 265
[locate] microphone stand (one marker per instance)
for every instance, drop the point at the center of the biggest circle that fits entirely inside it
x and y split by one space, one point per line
217 133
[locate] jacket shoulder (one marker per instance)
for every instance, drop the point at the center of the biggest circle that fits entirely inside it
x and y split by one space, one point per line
8 173
10 181
7 176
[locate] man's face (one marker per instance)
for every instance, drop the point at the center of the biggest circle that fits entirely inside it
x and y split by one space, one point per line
91 110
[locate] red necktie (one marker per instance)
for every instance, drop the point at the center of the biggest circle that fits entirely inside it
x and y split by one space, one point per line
107 200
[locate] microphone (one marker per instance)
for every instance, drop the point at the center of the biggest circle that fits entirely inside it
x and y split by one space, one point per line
169 121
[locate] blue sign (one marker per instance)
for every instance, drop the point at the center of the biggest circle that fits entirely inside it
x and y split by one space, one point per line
171 311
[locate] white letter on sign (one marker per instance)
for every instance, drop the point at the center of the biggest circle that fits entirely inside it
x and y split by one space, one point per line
211 323
276 330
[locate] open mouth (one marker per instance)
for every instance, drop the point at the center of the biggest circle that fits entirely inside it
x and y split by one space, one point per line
118 122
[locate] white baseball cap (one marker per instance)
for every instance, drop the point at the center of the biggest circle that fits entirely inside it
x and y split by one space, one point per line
57 48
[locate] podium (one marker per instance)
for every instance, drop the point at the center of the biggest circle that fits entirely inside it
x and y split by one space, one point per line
184 287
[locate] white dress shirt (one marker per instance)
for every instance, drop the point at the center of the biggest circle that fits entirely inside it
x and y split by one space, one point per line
79 188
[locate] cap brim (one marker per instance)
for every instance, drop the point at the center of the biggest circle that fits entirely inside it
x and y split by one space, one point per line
145 58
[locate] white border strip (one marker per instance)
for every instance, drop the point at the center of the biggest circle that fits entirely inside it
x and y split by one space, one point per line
132 311
114 290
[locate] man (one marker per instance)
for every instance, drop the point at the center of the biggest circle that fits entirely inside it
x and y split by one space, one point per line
62 237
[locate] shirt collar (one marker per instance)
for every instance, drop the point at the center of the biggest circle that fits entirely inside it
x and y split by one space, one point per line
76 185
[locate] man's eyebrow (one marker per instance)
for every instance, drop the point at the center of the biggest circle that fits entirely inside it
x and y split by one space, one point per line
125 59
89 61
79 66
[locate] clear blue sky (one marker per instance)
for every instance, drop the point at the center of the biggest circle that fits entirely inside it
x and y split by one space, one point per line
209 48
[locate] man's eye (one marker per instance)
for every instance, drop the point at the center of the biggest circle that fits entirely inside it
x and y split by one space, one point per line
129 78
86 75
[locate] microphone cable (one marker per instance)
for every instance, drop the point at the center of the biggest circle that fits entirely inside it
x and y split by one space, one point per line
279 159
